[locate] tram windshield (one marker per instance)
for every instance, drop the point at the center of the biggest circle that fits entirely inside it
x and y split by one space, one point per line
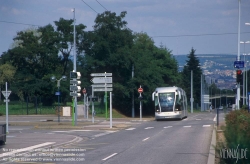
166 101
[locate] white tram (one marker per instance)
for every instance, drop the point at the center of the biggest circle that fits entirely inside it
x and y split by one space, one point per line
170 103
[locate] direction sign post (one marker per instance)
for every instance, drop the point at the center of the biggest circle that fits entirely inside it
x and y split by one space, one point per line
102 83
6 94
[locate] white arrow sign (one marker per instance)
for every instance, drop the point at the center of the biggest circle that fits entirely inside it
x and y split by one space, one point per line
103 89
75 94
75 88
101 80
77 82
101 74
6 94
101 85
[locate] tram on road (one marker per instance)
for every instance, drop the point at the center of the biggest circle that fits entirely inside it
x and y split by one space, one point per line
170 103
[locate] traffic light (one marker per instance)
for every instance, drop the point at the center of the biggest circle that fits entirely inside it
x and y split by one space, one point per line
238 75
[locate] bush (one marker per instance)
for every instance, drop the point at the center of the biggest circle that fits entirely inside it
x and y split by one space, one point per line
237 132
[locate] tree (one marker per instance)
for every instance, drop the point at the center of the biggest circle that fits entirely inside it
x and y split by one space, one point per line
65 39
35 57
193 64
154 67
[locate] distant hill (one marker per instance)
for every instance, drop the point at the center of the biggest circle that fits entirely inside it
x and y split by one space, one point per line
221 61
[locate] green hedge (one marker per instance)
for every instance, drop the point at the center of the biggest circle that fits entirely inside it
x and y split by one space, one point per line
237 134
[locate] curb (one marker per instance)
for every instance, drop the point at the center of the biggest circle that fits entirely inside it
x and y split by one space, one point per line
211 156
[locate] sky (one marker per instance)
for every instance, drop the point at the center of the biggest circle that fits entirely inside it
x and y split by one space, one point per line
208 26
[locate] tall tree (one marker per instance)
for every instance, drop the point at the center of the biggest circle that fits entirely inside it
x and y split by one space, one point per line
154 67
35 57
193 64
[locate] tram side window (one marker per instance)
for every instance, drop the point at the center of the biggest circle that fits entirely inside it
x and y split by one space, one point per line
157 109
178 104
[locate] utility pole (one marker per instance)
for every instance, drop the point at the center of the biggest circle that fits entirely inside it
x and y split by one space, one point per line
133 102
191 99
238 59
74 68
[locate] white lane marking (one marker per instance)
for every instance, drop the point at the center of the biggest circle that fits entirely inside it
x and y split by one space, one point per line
206 125
104 159
130 129
50 133
187 126
25 149
15 129
149 127
72 131
15 121
102 134
168 127
146 139
198 119
215 117
10 136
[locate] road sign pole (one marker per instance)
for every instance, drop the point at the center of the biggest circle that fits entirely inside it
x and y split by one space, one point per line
7 114
140 110
84 102
110 104
106 103
93 107
73 113
87 107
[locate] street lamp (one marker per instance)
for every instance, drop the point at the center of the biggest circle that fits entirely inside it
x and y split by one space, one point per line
53 79
244 72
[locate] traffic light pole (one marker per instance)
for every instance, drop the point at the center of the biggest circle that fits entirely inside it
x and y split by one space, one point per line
238 97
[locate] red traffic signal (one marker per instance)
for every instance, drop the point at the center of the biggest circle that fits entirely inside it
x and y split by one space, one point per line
238 75
239 72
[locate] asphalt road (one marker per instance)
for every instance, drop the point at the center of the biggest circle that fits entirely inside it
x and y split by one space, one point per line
139 142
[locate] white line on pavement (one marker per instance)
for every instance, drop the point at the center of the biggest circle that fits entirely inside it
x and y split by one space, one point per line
206 125
146 139
25 149
149 127
215 117
109 157
168 127
187 126
130 129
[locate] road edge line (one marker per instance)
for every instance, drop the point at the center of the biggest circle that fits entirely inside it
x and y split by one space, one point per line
211 155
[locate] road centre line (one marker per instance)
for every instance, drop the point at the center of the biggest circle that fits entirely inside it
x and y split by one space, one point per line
25 149
104 159
149 127
187 126
146 139
206 125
